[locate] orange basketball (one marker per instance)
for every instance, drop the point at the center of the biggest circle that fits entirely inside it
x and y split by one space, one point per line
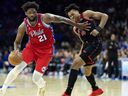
14 59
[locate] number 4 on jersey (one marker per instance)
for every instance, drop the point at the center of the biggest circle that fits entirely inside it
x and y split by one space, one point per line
42 38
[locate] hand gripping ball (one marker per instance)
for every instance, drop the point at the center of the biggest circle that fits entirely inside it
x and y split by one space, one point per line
15 59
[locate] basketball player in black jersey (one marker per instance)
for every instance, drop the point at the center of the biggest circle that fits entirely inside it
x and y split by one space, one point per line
91 46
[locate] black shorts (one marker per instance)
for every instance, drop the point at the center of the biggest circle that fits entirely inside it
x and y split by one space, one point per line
90 52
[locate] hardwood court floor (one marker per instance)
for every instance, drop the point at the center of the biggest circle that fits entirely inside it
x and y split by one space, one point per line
23 86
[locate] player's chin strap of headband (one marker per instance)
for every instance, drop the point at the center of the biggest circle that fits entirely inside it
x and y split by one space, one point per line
99 29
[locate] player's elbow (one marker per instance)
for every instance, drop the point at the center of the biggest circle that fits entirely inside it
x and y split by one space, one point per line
105 16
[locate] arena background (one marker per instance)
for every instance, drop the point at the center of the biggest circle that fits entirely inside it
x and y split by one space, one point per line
67 44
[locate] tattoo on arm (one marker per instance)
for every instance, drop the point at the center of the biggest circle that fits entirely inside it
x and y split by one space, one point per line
17 46
59 19
62 19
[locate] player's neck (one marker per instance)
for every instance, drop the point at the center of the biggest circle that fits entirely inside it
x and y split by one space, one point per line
33 23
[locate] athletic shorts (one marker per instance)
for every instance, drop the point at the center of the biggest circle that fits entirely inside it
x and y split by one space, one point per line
90 52
40 56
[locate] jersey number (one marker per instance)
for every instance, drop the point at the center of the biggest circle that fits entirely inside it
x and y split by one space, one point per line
42 38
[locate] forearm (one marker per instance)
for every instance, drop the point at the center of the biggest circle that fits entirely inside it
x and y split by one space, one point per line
60 19
49 18
81 47
17 45
103 20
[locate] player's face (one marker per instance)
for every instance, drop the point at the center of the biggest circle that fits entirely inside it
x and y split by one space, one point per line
31 14
74 15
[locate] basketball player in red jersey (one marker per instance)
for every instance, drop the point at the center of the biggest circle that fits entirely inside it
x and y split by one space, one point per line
91 46
40 45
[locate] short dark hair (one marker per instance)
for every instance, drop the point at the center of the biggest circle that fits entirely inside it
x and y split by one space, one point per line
70 7
29 4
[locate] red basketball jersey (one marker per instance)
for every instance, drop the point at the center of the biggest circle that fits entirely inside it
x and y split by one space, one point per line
40 35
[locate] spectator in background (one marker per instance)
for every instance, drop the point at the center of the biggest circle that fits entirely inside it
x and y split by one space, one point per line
112 54
1 64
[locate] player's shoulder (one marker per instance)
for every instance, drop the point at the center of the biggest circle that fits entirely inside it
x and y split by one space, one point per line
41 14
88 12
46 17
22 25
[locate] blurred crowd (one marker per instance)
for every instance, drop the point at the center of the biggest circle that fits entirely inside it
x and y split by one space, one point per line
67 44
62 61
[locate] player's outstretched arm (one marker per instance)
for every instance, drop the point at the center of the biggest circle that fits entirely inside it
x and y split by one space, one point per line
102 17
19 36
97 16
49 18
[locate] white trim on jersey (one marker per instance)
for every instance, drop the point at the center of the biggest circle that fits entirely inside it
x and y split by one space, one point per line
46 25
31 24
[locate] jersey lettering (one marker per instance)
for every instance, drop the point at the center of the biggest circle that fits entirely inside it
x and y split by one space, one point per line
36 33
42 38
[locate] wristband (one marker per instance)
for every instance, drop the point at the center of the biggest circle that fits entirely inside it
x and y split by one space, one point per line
99 29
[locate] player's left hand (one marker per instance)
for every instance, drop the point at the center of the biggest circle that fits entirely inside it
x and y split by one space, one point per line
16 51
94 32
84 26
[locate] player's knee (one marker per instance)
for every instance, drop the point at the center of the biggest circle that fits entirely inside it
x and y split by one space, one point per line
36 76
87 71
77 63
37 79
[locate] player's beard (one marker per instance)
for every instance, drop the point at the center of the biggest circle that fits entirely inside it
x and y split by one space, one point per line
32 20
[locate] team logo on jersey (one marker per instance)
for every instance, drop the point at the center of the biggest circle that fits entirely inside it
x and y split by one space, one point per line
44 69
36 32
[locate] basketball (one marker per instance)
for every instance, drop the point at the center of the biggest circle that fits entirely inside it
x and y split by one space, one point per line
14 59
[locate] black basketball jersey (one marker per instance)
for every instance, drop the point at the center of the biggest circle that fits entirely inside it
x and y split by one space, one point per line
84 34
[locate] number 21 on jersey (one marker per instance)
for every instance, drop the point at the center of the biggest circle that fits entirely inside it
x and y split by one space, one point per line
42 37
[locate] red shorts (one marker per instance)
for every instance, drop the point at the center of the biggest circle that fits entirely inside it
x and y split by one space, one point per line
41 56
